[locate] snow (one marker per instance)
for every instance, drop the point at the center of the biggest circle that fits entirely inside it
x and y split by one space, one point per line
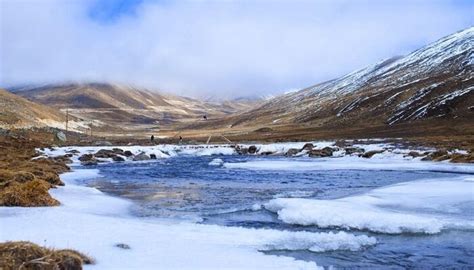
216 162
93 223
377 162
427 206
170 150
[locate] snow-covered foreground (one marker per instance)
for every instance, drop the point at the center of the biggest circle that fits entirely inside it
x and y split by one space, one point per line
94 223
426 206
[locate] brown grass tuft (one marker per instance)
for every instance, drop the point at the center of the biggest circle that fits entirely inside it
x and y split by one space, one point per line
31 193
27 255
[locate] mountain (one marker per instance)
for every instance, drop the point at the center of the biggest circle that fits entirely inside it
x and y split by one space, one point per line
432 84
17 112
129 107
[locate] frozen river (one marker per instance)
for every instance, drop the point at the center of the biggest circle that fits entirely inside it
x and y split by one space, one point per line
228 191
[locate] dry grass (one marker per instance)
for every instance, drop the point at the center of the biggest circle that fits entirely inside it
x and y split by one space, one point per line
27 255
29 194
23 181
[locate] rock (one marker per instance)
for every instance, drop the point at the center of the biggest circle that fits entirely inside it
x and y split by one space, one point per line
73 151
267 153
141 157
252 149
369 154
292 152
152 156
105 153
122 246
118 159
308 147
325 152
128 153
413 154
86 157
438 155
242 150
117 151
442 158
354 150
61 136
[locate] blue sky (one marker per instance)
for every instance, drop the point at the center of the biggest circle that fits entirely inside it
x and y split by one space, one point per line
214 48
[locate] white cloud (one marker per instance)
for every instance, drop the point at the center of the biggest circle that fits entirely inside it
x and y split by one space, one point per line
215 48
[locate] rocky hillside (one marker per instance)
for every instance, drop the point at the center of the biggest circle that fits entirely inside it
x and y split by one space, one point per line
111 104
434 83
17 112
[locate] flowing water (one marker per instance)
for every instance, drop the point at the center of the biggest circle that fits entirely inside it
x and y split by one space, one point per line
189 188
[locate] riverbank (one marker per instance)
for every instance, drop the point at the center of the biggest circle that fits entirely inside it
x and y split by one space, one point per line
82 216
103 227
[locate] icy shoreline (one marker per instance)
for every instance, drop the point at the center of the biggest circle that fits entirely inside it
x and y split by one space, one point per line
93 223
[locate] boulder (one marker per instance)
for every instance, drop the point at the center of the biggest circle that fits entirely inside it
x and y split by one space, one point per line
141 157
369 154
252 149
86 157
117 151
242 150
292 152
127 153
308 147
325 152
105 153
267 153
61 136
118 159
152 156
438 155
413 154
122 246
354 150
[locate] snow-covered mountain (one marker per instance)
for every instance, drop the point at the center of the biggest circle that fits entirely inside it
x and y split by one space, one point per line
434 82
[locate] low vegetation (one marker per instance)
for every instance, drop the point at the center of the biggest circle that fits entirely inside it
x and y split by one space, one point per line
24 179
27 255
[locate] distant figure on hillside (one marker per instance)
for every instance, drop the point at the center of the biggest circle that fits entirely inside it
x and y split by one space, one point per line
152 139
180 139
205 117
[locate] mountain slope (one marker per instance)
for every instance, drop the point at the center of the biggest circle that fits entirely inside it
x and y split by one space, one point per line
129 106
433 83
17 112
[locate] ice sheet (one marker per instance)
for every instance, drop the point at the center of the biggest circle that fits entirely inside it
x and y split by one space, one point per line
427 206
93 223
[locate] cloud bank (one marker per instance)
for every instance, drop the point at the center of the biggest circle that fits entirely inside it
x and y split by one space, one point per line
217 49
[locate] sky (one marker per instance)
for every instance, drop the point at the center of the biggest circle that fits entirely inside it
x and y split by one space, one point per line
213 49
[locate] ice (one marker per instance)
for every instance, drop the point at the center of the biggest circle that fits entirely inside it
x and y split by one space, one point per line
427 206
380 162
216 162
170 150
92 222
